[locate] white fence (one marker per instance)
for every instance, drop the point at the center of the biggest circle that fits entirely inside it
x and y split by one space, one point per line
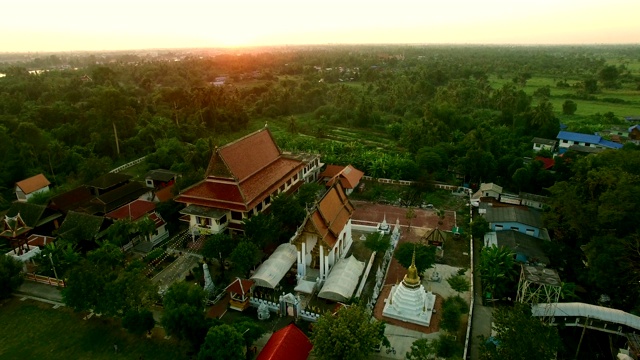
437 185
471 290
128 165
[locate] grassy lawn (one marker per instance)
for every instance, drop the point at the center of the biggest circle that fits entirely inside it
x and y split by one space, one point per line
33 330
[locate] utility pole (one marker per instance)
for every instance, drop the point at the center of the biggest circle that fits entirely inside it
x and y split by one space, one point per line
116 134
53 266
586 321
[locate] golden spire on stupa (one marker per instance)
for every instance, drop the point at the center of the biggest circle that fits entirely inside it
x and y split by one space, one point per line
412 279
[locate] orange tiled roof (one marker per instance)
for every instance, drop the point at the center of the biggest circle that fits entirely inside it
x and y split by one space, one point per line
33 183
249 154
242 174
332 214
331 171
348 175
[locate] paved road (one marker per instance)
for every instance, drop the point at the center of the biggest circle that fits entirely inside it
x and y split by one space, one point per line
481 321
176 271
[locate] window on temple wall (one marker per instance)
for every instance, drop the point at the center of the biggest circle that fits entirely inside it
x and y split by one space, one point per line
289 182
203 221
223 219
259 207
295 177
267 201
236 215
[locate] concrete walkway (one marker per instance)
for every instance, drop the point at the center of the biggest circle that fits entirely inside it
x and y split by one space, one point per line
37 291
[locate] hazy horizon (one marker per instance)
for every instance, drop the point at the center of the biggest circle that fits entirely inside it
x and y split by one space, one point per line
72 25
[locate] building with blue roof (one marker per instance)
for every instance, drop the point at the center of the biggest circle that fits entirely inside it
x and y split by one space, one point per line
566 139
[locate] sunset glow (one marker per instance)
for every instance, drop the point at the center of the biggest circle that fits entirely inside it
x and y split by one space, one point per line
41 25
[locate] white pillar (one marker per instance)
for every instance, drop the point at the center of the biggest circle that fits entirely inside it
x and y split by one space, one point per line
304 259
326 264
321 255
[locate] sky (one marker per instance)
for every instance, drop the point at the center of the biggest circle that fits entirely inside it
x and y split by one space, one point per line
72 25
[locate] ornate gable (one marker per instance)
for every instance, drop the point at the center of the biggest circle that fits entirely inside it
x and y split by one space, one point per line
13 226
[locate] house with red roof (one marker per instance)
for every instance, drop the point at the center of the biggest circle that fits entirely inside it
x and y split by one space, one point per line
288 343
348 176
27 188
241 180
137 210
324 238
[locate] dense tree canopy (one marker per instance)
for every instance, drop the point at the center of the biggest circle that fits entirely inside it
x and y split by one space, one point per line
425 256
184 315
10 275
519 335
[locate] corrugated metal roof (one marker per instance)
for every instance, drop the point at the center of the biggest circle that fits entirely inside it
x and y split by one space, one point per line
544 141
571 136
272 270
513 214
587 310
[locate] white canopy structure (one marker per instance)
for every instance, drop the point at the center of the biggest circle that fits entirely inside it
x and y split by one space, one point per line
342 280
276 266
560 310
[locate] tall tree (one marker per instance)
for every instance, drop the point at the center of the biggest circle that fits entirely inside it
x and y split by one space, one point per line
350 333
245 256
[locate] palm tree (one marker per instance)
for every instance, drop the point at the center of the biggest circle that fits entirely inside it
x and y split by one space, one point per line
146 227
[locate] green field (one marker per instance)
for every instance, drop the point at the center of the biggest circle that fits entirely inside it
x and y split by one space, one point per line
586 108
32 330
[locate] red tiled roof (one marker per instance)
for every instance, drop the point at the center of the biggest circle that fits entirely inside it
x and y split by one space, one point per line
250 154
165 194
288 343
332 214
546 162
40 240
156 219
214 192
132 211
240 286
33 183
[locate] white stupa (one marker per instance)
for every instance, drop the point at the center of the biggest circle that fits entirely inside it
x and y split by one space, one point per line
408 301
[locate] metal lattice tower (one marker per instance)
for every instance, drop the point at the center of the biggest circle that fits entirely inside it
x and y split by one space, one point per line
539 285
